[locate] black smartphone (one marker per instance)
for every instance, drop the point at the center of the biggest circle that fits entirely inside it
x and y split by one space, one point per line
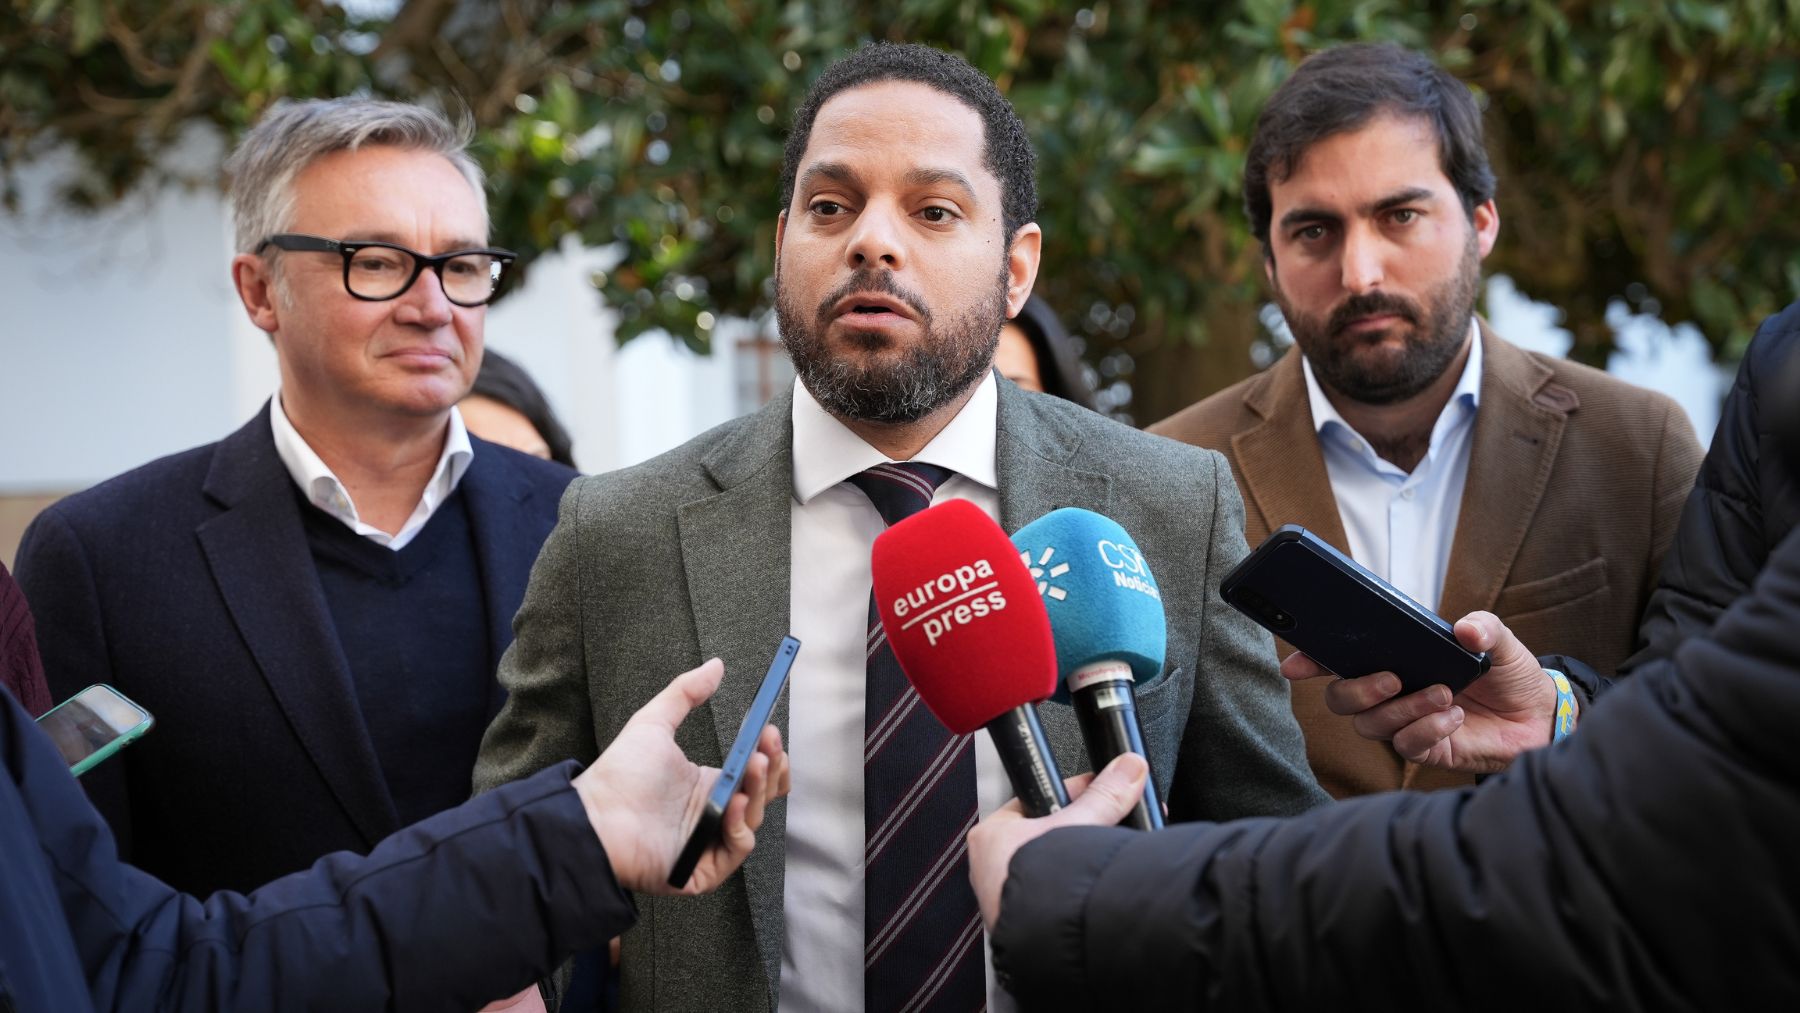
1339 614
712 816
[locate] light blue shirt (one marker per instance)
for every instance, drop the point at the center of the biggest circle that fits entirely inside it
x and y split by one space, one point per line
1401 526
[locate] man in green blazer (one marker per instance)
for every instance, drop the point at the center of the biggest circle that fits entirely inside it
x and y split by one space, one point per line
908 237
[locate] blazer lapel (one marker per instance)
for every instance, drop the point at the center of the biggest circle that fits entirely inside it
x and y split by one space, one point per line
734 550
1031 459
1280 468
496 496
1281 473
1518 429
257 551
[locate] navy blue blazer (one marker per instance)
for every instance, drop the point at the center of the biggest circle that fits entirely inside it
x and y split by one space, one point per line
455 911
189 585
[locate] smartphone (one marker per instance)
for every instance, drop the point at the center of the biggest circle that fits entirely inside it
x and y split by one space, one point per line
1339 614
94 724
712 816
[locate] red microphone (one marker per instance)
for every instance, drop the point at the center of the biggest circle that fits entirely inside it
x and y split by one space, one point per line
969 630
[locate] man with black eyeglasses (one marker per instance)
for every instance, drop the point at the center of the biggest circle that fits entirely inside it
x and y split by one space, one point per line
314 607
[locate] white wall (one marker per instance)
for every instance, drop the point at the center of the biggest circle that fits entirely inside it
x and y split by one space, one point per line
115 336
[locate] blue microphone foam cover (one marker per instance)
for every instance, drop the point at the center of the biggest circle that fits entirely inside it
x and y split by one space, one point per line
1102 599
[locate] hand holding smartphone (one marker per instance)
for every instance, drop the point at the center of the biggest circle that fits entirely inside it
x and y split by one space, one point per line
712 815
1300 588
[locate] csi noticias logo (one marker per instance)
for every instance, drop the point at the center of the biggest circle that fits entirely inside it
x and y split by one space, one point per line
1124 562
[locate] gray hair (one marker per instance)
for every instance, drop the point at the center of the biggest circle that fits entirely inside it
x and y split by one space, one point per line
294 134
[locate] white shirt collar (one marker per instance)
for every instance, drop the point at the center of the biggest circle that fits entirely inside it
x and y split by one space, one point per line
1467 391
325 491
826 452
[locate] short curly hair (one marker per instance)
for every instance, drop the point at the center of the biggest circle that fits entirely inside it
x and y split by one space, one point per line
1008 150
1341 90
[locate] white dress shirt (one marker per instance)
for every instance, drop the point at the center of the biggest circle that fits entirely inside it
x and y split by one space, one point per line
833 525
324 491
1401 526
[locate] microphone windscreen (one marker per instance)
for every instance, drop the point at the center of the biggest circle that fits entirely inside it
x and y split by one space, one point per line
963 615
1103 603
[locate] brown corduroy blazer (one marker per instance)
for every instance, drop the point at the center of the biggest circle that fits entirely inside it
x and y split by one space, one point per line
1576 481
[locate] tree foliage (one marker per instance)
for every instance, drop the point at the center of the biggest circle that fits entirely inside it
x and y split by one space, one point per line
1647 149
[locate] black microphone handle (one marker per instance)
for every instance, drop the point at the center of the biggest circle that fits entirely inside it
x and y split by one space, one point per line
1107 712
1030 766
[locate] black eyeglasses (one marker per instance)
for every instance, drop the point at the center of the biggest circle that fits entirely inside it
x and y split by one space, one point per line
376 272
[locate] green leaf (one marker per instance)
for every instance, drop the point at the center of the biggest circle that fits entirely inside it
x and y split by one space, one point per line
1714 305
89 23
43 10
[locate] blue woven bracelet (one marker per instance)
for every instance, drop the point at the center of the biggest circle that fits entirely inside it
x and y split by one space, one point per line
1564 721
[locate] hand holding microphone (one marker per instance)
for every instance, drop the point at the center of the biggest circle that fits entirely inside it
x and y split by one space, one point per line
968 629
1101 800
1106 614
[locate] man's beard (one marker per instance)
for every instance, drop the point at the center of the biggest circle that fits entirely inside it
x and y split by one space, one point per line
1438 330
942 364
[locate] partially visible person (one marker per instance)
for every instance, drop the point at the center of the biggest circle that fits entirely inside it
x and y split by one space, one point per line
1645 862
469 904
313 608
1468 472
507 408
1744 503
21 671
1038 353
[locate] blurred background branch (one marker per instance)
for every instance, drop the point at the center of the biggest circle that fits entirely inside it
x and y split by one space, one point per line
1647 149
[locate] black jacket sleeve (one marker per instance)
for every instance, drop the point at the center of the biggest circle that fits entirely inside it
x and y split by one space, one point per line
1588 681
1646 863
1744 502
460 909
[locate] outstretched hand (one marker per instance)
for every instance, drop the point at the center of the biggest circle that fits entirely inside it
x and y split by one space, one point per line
1480 730
1099 801
643 796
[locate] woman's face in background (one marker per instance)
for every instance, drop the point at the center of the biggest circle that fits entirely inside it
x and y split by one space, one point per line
1015 360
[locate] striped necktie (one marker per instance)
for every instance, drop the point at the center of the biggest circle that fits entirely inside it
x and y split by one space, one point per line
921 927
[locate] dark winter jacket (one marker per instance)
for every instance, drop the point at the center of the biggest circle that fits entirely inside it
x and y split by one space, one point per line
1745 501
467 906
1646 862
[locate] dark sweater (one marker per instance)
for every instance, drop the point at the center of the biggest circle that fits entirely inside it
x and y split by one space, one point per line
20 669
413 628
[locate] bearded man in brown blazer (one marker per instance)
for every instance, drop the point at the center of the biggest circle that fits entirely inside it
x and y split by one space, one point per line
1468 472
